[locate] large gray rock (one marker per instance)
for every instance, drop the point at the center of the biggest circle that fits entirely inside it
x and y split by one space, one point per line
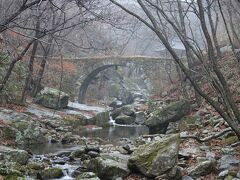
159 120
108 168
29 133
156 158
52 98
14 155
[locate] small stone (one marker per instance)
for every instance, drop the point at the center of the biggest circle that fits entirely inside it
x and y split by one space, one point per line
223 173
59 161
201 159
238 174
205 131
183 134
93 154
87 176
183 155
203 168
128 148
227 161
187 178
95 148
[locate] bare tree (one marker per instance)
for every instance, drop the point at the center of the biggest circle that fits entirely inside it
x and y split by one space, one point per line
228 109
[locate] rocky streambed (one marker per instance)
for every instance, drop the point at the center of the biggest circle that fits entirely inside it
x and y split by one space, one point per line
81 144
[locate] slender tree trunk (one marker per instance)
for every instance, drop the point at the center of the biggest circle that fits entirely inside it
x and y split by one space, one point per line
42 68
228 32
30 64
213 28
153 25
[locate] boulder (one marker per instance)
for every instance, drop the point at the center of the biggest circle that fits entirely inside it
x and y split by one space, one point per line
14 155
140 117
51 173
128 110
156 158
52 98
29 133
203 168
125 110
9 173
115 113
108 168
159 120
100 119
124 119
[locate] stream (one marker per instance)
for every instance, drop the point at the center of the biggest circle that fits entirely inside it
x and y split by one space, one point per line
111 135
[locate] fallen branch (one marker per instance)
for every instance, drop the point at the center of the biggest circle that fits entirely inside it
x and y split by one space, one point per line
208 138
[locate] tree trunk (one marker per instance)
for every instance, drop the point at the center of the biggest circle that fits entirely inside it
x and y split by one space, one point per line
30 64
37 85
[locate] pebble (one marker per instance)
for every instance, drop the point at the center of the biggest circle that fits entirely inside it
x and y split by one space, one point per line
187 178
223 173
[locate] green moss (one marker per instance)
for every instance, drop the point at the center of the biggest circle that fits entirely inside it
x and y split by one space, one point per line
146 155
230 140
52 173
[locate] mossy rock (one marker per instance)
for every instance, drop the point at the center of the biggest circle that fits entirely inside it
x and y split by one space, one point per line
108 169
156 158
35 165
14 155
158 120
52 98
124 119
100 119
51 173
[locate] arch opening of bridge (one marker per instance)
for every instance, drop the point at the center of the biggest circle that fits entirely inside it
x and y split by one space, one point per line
107 62
86 82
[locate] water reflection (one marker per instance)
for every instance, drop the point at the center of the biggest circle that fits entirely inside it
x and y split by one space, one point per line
115 133
111 134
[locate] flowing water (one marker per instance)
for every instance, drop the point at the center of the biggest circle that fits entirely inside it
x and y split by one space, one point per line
111 135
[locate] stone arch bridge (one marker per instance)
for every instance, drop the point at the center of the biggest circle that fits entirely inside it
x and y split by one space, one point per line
89 67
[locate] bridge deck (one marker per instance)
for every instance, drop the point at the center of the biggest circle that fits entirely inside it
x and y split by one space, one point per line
117 58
